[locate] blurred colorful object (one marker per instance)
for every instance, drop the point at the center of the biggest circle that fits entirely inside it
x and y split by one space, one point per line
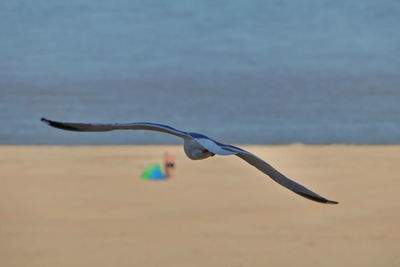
153 172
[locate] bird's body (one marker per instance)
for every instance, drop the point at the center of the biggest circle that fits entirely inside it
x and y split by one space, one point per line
194 150
196 147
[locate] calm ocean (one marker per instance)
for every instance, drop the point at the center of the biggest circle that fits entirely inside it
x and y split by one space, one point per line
252 72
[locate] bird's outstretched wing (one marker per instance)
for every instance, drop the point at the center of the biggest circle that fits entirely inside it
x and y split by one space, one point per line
276 175
89 127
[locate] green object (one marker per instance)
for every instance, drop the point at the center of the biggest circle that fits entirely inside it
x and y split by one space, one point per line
153 172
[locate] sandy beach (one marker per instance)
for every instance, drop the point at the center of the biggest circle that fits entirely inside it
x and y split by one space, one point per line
87 206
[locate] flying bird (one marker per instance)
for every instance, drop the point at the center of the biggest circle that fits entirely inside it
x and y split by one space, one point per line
197 146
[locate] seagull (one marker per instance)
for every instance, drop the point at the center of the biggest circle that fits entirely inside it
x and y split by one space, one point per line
197 146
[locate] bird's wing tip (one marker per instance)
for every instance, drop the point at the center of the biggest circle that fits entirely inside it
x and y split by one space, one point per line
331 202
317 198
45 120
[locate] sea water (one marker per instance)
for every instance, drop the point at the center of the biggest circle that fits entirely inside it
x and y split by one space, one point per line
253 72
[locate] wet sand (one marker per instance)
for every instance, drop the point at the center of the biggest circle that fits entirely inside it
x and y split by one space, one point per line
87 206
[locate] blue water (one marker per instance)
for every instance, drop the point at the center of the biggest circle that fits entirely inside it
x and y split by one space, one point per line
249 72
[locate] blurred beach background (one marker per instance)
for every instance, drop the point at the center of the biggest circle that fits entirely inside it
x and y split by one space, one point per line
313 87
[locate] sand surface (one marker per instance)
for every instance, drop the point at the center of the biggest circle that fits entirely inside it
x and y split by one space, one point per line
87 206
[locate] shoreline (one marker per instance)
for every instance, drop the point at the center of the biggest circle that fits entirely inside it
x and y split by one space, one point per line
247 145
